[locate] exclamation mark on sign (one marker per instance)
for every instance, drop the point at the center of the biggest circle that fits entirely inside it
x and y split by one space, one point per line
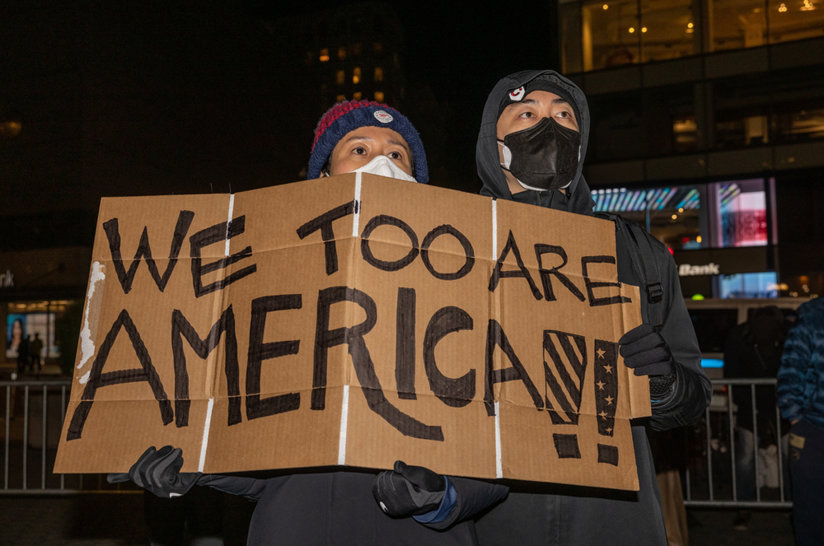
606 396
565 357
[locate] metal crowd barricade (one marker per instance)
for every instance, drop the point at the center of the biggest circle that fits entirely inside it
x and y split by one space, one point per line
32 418
711 476
33 413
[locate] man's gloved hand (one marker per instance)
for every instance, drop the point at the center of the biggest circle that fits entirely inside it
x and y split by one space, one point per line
646 352
408 490
158 471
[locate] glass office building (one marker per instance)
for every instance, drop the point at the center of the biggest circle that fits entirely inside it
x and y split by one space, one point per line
614 33
708 128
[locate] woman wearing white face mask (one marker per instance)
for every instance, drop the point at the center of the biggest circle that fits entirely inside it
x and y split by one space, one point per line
407 505
367 136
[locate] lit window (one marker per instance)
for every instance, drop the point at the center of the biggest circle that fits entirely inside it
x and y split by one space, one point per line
340 98
763 284
378 74
790 21
664 31
671 213
623 32
737 24
341 53
340 77
742 213
324 55
379 96
685 133
357 95
356 75
10 128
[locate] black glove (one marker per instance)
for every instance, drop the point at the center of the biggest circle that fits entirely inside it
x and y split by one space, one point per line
158 471
408 490
646 352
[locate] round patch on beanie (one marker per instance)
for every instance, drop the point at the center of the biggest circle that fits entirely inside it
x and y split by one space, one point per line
516 94
383 116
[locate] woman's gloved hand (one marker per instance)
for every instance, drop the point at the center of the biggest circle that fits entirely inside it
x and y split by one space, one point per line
158 471
408 490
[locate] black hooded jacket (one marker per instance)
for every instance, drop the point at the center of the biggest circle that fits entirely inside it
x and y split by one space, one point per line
577 199
562 515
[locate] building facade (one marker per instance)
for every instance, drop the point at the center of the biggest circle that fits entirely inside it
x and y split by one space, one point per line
708 128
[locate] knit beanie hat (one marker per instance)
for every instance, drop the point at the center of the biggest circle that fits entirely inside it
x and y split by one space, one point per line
347 116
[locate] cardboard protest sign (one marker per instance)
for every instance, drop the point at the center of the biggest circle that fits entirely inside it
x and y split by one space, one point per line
354 321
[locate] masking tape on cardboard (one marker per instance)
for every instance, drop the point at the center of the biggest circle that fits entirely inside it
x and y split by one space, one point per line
499 470
356 216
204 442
88 333
494 230
207 424
344 418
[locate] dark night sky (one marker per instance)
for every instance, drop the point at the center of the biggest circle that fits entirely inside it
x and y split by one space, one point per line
190 97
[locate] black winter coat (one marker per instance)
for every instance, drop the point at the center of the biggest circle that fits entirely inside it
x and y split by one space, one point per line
570 515
325 508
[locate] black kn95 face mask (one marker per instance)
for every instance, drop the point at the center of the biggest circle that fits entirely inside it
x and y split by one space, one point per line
542 157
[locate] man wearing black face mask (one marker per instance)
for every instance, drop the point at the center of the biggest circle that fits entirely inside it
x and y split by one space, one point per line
530 149
540 144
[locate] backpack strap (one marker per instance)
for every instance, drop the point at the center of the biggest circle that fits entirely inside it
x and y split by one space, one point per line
643 252
647 265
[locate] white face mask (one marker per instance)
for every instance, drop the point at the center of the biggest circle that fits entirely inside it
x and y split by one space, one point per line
383 166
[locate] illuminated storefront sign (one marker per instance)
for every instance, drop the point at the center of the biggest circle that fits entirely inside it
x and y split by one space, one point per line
722 261
689 270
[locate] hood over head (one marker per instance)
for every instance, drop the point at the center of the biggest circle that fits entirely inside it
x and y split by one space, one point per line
577 197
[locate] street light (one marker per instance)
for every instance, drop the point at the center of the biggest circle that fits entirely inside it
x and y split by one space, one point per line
10 124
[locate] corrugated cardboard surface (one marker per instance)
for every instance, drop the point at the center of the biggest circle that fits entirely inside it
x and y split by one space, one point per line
360 320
